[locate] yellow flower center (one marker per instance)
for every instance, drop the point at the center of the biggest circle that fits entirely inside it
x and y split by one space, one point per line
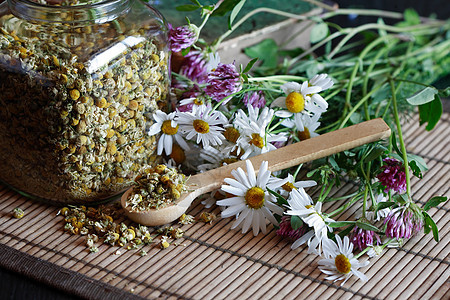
167 128
288 186
178 154
254 197
198 101
201 126
257 140
304 135
295 102
231 134
230 160
308 206
342 263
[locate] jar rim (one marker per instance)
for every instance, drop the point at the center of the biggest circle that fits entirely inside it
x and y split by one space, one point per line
98 12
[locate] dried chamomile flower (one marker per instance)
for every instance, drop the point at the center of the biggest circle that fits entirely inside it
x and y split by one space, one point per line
164 243
142 252
177 233
93 249
186 219
207 217
111 238
18 213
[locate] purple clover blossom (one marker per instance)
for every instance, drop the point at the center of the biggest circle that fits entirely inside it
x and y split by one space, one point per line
256 99
195 67
181 37
223 81
403 222
393 175
286 230
362 238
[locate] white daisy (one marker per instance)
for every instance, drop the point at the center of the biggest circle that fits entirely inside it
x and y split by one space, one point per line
252 204
382 213
303 98
193 101
168 127
321 80
291 184
203 124
339 263
215 157
254 138
305 125
213 61
301 205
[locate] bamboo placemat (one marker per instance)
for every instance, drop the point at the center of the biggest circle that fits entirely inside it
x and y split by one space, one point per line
212 261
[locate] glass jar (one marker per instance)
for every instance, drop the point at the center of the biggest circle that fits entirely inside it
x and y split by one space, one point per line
79 83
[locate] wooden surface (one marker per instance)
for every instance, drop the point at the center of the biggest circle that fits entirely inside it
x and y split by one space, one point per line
212 261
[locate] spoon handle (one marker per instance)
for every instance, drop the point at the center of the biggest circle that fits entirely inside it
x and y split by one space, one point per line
297 153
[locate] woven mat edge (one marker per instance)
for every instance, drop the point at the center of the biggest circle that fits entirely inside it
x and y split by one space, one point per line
58 277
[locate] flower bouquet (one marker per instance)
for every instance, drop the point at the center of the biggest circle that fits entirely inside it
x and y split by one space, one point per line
223 113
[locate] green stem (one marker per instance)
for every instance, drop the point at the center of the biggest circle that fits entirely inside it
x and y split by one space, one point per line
361 253
277 78
361 102
400 137
351 33
344 207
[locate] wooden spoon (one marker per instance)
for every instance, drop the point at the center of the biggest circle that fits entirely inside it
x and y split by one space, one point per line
279 159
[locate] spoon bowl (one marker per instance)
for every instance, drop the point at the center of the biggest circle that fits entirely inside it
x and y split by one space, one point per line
279 159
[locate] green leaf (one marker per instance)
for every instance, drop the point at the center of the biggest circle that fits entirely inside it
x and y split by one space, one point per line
280 199
333 163
433 202
266 51
187 7
355 118
185 51
429 222
383 205
249 66
417 164
430 113
411 16
395 146
319 32
346 231
375 153
381 32
235 12
340 224
366 226
291 52
245 78
225 7
423 96
296 222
